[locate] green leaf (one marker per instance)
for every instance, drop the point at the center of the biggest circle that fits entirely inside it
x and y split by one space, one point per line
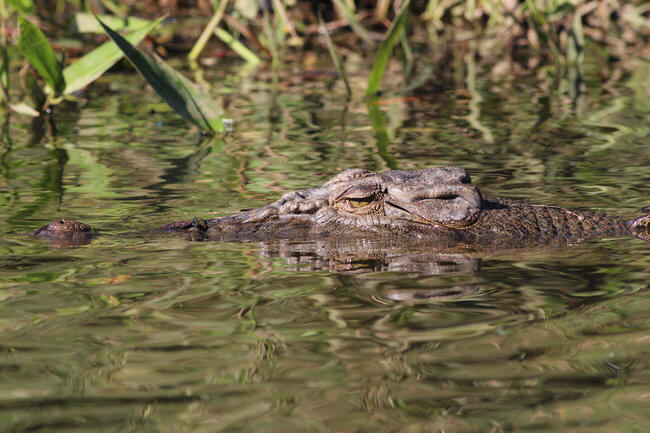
176 90
86 23
91 66
383 54
25 7
38 51
24 109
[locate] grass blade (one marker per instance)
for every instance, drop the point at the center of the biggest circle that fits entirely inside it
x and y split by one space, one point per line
358 28
541 26
383 54
91 66
207 31
176 90
237 46
576 43
86 23
356 25
335 58
574 59
271 41
407 51
37 49
279 25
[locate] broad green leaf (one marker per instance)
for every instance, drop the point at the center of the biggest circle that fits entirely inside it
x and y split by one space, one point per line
91 66
23 6
383 54
86 23
174 88
38 51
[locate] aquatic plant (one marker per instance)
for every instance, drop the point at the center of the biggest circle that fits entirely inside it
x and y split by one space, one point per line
60 80
176 90
548 31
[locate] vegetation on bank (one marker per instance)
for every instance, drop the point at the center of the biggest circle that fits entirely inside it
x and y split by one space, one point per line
267 33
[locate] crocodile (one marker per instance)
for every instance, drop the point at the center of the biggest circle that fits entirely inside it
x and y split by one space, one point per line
436 206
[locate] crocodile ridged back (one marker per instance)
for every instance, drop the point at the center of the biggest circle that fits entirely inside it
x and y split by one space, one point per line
517 220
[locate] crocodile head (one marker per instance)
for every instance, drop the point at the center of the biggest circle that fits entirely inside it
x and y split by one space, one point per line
361 202
64 233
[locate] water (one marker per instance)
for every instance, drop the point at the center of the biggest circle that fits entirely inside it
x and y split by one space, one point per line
142 333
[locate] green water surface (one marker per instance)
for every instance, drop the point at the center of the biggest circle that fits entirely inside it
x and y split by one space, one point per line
147 333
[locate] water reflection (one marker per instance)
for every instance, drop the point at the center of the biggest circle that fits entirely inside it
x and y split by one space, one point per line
364 257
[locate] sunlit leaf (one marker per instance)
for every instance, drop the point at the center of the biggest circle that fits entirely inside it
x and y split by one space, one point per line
22 108
37 49
95 63
383 54
86 23
172 86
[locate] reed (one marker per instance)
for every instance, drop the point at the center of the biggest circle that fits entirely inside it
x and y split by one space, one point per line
335 58
383 54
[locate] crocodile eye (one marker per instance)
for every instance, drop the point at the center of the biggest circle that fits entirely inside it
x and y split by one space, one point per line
354 203
359 200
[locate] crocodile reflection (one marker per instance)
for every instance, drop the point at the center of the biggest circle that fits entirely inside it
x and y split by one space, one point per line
369 261
367 257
